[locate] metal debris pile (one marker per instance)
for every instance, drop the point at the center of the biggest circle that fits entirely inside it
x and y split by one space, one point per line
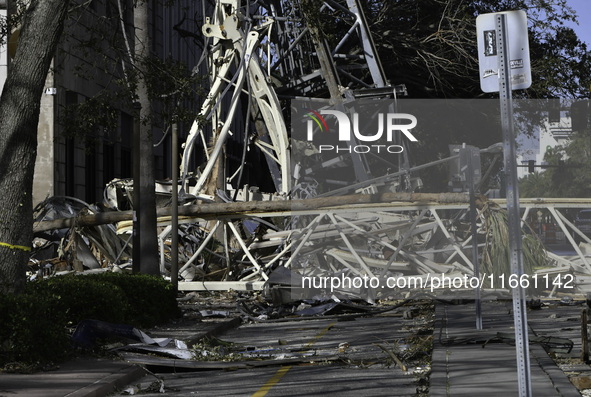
336 224
76 248
400 245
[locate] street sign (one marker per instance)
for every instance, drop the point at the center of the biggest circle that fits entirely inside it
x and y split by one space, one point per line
487 37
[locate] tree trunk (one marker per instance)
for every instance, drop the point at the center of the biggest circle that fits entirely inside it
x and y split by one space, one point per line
239 209
19 115
146 212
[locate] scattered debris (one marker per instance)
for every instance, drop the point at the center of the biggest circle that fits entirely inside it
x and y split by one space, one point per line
77 248
87 333
349 255
552 344
392 355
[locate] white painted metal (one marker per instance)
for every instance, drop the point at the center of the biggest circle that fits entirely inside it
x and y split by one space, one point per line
246 251
221 285
559 220
451 240
224 28
201 247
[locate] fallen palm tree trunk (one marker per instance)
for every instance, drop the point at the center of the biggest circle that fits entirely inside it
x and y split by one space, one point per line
236 209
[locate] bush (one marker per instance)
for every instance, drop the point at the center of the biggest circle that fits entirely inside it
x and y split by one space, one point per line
32 331
34 324
151 300
81 297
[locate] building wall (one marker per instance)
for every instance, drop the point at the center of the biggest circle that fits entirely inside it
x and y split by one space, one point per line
171 29
44 177
80 167
3 54
548 135
86 162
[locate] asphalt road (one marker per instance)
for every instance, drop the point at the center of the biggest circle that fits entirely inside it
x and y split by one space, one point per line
313 358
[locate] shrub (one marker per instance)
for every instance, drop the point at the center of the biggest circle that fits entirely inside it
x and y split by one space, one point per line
32 330
151 300
81 297
34 325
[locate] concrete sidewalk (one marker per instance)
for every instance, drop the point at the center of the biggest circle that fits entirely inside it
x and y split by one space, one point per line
97 377
463 367
81 377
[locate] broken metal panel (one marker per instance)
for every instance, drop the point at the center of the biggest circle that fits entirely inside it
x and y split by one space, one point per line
88 331
83 257
75 248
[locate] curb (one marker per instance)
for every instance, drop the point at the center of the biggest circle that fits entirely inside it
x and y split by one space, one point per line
110 383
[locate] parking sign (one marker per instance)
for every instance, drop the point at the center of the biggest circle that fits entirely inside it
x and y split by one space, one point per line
518 50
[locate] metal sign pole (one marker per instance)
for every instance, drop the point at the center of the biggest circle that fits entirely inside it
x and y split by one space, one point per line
174 245
515 245
473 214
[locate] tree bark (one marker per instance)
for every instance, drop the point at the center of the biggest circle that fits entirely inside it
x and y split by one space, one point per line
244 209
19 115
146 211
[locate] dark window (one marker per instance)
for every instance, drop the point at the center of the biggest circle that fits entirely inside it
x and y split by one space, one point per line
126 163
126 145
126 129
90 175
70 167
108 163
554 114
70 160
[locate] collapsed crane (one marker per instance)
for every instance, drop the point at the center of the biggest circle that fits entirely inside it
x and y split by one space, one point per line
261 55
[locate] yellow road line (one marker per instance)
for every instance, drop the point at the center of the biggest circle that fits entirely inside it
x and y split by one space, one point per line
283 370
272 382
320 335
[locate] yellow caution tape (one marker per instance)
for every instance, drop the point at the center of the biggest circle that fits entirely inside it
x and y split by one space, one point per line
15 247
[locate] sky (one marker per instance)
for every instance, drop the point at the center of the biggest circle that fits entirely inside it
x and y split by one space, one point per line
583 10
